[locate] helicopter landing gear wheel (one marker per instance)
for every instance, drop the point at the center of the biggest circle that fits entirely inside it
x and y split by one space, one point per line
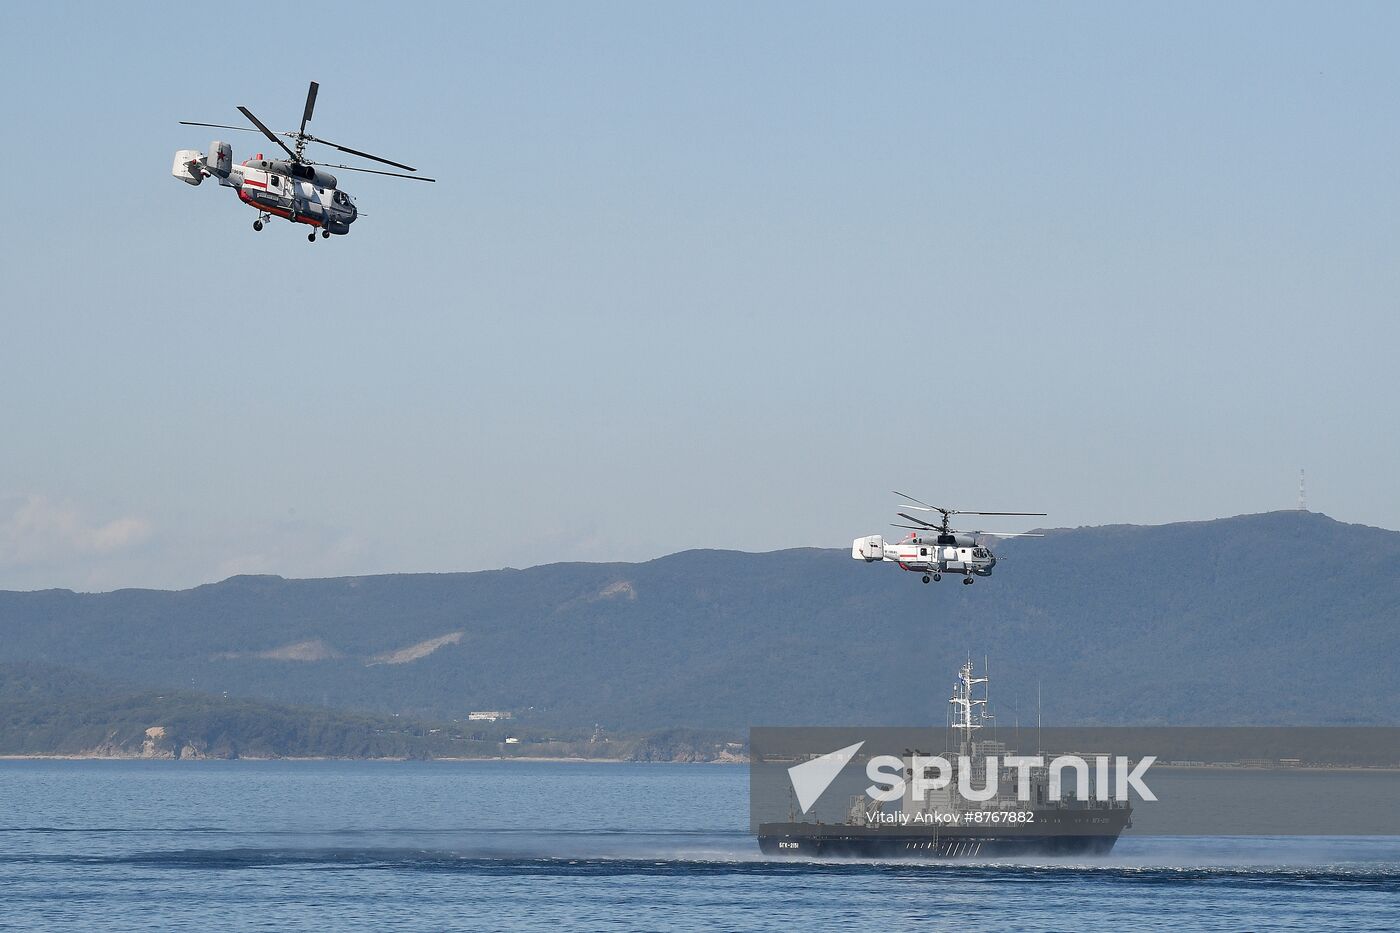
925 578
311 237
937 577
257 225
325 234
967 581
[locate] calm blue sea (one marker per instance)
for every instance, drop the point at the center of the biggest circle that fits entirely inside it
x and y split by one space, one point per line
243 845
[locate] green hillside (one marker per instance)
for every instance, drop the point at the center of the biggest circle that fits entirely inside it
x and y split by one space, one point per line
47 710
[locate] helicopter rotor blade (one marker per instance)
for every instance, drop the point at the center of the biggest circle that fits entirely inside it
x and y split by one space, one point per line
372 171
918 521
965 512
310 105
910 527
267 132
363 155
223 126
925 505
998 534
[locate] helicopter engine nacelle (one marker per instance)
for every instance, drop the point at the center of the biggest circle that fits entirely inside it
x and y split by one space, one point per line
188 166
870 548
219 161
305 173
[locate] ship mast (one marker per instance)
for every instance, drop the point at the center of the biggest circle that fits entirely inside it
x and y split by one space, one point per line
964 705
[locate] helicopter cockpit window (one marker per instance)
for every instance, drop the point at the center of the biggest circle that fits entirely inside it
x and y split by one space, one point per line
980 553
340 198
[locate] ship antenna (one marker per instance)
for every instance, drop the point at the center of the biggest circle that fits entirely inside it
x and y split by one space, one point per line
987 692
1038 748
1016 717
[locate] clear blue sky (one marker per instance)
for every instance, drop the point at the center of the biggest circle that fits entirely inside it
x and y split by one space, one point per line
712 275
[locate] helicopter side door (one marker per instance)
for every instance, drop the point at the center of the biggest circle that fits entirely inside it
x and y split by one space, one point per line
912 556
278 189
266 189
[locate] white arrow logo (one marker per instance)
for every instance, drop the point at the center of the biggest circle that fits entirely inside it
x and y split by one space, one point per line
811 778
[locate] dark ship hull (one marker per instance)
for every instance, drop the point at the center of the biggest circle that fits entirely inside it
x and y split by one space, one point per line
1055 833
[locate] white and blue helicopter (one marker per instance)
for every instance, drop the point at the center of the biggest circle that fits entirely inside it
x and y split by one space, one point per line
292 188
935 549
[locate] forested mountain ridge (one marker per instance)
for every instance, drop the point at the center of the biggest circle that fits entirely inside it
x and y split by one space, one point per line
1246 620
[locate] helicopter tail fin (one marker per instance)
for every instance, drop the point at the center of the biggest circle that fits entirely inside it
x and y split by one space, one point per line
188 167
870 548
219 161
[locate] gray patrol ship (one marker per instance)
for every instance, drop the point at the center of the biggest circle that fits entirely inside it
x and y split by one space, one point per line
941 824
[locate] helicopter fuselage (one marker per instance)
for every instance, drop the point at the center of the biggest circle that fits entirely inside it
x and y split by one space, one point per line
273 187
929 554
298 200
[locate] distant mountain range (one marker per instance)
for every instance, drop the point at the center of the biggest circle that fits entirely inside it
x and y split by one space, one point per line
1285 617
